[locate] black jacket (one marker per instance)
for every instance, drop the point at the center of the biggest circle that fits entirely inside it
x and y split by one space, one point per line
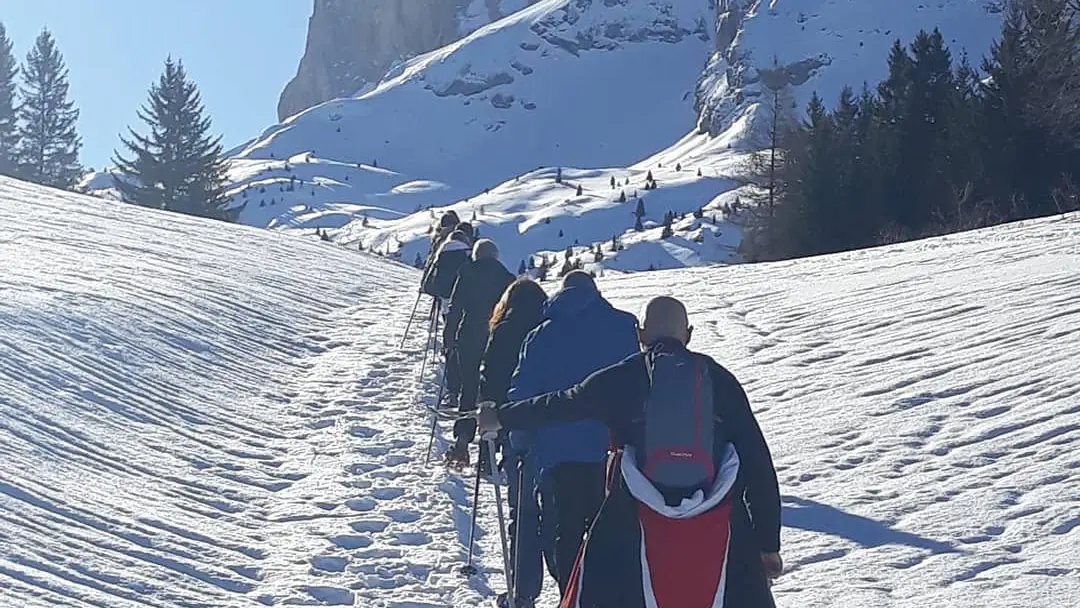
616 395
440 276
479 286
503 349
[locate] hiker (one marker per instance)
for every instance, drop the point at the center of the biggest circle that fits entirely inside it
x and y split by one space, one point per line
519 311
468 229
439 234
480 284
442 230
581 333
692 513
452 255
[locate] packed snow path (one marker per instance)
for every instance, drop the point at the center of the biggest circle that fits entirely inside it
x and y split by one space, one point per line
200 415
195 414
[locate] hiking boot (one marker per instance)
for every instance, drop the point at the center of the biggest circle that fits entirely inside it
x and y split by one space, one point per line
503 601
457 456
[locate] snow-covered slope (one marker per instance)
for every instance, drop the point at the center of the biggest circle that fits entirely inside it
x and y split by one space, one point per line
561 83
198 414
194 414
598 88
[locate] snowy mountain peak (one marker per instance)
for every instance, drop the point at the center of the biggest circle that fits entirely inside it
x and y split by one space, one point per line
483 112
351 45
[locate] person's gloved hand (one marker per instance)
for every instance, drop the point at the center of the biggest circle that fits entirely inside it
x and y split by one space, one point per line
773 565
487 420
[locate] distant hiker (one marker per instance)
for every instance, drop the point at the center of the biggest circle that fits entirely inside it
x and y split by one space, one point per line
468 229
442 230
480 284
439 234
519 310
581 333
692 514
452 255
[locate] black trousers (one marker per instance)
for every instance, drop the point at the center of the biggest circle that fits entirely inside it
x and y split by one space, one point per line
453 374
469 374
570 496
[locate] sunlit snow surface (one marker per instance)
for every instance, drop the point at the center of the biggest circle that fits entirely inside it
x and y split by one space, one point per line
195 414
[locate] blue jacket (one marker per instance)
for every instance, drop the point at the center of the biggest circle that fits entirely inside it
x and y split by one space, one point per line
581 333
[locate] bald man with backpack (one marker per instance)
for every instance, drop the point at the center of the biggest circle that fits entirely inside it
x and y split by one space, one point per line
691 516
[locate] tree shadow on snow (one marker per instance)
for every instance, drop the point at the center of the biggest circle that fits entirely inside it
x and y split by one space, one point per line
817 517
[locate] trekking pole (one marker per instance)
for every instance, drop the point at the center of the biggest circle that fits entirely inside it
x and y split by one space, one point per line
435 418
499 511
469 569
411 315
432 344
517 530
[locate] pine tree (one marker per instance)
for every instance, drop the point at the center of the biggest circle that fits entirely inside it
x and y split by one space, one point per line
177 166
1032 106
612 182
638 226
522 268
579 190
8 124
558 175
622 196
48 150
639 211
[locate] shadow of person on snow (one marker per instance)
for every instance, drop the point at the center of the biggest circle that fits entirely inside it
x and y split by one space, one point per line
817 517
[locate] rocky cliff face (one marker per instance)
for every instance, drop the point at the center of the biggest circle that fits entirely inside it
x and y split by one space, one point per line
352 44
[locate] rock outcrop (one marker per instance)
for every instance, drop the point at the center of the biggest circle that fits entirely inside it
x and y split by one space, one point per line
352 44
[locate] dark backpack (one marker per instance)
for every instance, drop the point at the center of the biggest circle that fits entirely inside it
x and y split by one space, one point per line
678 431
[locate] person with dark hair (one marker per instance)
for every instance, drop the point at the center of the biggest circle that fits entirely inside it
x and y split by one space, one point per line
692 509
468 229
438 282
518 311
480 283
581 333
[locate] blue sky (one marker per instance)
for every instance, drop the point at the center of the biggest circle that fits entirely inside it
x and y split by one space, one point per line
239 52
